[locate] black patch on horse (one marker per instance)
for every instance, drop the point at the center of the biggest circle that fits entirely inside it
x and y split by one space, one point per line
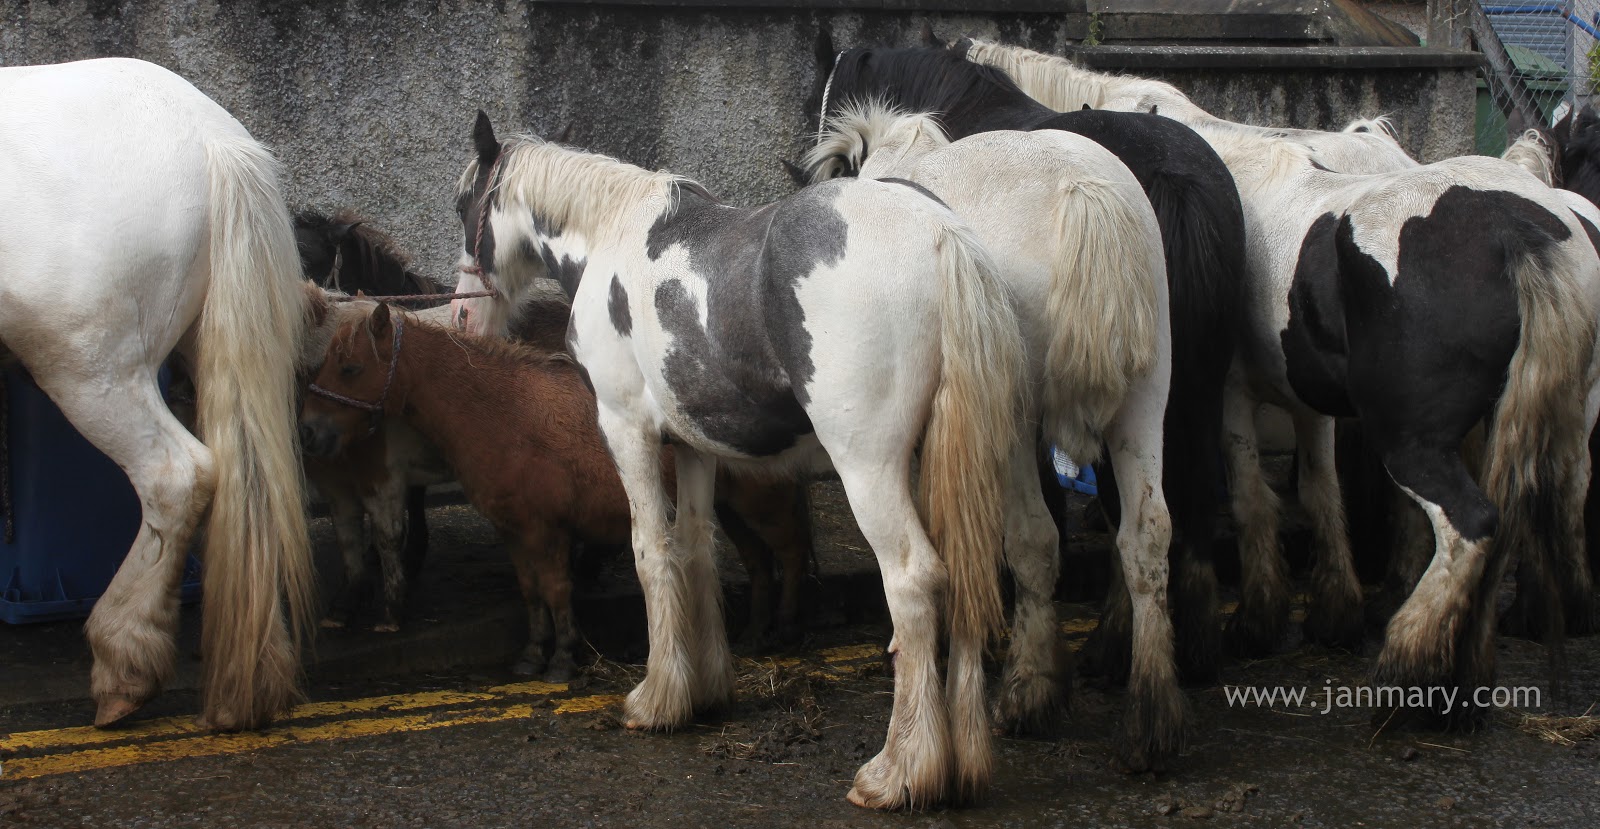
1589 230
617 305
1314 344
1429 352
744 381
917 187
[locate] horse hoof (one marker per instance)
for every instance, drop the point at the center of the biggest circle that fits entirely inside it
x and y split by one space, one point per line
524 667
558 676
113 708
386 627
331 623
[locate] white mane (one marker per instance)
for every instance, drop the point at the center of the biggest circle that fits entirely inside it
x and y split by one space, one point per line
570 188
1531 152
863 127
1256 159
1066 87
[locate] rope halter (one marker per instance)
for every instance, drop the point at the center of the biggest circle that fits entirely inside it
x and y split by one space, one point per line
374 410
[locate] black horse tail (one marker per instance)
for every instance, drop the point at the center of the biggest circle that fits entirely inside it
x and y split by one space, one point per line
1202 230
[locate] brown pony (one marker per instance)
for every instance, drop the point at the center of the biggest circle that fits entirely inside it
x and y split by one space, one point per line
518 425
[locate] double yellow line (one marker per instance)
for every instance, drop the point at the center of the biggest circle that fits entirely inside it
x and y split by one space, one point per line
30 754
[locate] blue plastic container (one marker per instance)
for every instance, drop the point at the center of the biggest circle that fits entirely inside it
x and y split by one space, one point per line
75 514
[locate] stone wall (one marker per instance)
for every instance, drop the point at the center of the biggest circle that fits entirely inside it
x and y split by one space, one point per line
369 102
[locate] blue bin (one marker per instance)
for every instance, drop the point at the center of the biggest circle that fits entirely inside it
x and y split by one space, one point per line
74 513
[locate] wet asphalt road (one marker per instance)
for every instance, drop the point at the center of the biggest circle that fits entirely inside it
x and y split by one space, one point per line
784 755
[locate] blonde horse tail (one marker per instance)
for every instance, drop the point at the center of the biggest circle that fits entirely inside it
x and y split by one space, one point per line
972 431
257 549
1102 310
1537 441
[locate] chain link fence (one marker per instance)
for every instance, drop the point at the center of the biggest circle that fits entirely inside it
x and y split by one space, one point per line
1540 56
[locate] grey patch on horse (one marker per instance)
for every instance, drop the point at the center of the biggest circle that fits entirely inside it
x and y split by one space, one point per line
917 187
621 317
744 380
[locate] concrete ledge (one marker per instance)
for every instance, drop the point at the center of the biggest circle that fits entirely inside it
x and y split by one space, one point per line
1272 57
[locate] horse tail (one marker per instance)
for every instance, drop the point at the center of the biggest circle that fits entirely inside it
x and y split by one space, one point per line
1202 232
1102 307
258 550
1538 431
972 430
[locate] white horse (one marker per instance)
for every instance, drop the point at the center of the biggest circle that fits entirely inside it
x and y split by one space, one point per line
1365 146
141 220
849 322
1078 246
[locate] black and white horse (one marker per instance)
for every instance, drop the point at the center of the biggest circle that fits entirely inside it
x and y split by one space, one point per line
1202 232
846 323
1079 248
1425 301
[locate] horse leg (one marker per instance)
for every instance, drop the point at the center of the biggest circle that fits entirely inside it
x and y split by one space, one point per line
1153 724
791 537
387 509
757 559
915 765
1108 650
552 561
1412 550
131 628
1033 694
665 699
1264 586
527 550
416 544
1420 648
349 529
711 680
1334 617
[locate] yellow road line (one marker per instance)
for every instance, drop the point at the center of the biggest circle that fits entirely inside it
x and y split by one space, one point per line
166 727
220 744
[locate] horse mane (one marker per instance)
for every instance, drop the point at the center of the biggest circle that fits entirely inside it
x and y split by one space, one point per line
1533 151
369 259
923 79
848 136
1255 158
574 189
1381 126
1064 86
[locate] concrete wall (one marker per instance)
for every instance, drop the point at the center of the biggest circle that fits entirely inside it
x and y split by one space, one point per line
369 103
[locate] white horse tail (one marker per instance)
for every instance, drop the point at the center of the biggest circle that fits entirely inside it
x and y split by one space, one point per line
257 547
1539 431
972 431
1102 310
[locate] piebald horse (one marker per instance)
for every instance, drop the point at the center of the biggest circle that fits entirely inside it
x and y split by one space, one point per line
142 220
1424 301
849 323
1078 245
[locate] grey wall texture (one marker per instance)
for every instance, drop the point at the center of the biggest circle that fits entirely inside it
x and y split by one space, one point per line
369 103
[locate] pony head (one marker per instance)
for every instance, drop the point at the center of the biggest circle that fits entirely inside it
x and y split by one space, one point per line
318 237
354 385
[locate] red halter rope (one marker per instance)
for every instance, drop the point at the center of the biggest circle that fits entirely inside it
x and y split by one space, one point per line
374 409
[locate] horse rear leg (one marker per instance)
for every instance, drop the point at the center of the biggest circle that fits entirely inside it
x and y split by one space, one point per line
1153 724
1430 630
1263 608
916 764
1033 694
551 558
1334 617
131 629
756 557
527 551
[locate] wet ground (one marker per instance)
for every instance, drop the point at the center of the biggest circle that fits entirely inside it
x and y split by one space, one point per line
396 742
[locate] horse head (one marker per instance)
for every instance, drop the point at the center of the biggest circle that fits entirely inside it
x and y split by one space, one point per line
354 385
